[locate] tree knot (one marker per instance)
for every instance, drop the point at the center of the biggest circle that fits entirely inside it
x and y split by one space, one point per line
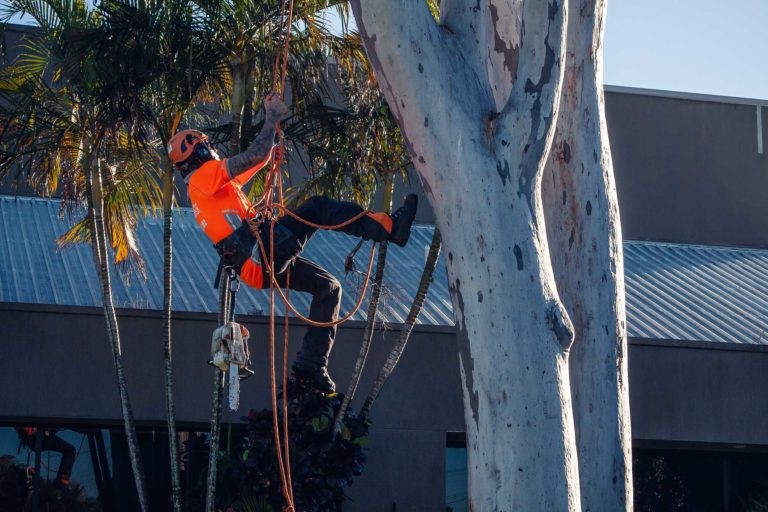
560 323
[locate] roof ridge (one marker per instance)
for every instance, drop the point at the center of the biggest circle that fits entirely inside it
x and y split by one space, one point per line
684 245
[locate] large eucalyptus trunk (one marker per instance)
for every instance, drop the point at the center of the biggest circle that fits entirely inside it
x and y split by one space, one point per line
101 259
585 245
173 441
476 97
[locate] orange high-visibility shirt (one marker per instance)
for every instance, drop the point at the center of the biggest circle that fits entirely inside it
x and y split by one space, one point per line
220 206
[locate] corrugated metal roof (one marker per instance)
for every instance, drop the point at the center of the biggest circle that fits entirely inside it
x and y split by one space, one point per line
695 292
677 292
33 270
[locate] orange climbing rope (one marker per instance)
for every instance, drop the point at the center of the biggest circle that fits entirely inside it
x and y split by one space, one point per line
274 285
266 209
282 449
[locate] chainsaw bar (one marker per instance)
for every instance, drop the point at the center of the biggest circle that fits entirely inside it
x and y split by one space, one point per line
234 386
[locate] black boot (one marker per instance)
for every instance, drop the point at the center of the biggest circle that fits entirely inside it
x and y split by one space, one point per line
402 220
315 376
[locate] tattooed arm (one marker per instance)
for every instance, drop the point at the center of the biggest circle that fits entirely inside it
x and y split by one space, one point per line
260 149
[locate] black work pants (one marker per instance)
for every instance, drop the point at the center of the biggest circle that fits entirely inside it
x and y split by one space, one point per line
291 236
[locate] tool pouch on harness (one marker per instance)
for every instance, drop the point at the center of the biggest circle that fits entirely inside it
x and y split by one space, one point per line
235 249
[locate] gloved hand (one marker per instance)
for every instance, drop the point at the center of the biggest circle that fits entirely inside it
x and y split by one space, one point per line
274 107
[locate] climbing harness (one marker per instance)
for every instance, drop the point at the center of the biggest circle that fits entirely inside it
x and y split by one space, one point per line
229 347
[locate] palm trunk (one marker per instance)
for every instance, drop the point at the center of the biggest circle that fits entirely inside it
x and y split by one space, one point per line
167 334
239 70
213 450
405 333
250 96
218 385
100 254
373 307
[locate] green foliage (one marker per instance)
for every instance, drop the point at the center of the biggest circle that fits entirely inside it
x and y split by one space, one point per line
16 492
253 504
353 147
658 485
757 503
322 464
67 105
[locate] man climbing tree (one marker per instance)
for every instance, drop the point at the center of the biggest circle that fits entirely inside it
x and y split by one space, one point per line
243 238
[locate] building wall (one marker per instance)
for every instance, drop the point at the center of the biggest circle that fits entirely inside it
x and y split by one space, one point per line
699 392
68 377
688 168
55 365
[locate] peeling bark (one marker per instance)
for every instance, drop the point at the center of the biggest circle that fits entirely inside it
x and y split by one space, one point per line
477 97
585 242
482 167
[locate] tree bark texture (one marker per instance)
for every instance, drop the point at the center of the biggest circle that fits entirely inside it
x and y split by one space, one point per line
371 314
413 314
476 97
218 386
241 71
585 244
173 442
101 258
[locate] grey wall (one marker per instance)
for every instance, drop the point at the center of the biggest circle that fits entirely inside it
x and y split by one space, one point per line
689 170
699 392
55 364
66 356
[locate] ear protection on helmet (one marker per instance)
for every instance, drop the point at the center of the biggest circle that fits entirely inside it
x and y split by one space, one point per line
182 145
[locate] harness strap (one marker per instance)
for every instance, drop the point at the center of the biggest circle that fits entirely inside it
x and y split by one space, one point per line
235 249
234 285
217 279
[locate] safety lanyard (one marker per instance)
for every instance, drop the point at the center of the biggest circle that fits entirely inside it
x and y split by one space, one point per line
234 285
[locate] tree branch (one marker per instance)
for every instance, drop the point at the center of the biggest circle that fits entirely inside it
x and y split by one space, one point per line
413 55
490 33
536 93
584 235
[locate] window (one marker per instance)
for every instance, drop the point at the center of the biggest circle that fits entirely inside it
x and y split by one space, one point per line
456 473
94 463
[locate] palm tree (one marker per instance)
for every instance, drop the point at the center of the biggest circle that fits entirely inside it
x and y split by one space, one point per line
371 314
251 35
171 65
63 135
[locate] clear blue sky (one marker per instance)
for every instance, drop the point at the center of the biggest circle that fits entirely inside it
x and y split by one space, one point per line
703 46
